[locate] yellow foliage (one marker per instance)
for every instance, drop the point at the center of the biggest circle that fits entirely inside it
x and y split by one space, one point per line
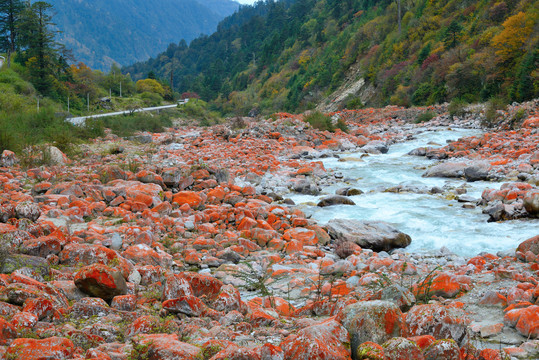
150 85
304 58
510 41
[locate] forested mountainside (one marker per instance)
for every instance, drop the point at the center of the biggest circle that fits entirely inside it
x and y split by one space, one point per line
101 32
295 54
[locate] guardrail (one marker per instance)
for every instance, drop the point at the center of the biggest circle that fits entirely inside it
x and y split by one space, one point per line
81 119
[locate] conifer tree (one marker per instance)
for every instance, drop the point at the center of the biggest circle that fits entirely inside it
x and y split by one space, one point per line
39 49
10 13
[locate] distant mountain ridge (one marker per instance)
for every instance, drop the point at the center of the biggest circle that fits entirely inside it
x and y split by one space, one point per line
101 32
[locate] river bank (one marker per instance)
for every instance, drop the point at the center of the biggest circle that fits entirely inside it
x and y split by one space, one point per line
183 245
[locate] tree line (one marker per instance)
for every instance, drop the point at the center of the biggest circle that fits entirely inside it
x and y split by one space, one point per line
292 55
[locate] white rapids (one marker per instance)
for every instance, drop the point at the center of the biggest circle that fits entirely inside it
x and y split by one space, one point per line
431 220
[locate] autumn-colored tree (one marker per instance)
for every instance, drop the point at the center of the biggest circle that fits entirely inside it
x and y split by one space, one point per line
509 43
150 85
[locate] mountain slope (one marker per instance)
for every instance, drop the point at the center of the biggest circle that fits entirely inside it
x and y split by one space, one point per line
101 32
295 54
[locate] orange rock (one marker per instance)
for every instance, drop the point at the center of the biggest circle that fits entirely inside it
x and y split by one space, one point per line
188 197
525 320
50 348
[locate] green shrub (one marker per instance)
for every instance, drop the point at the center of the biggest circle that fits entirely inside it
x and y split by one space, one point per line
151 99
457 107
424 117
319 121
491 112
353 103
341 124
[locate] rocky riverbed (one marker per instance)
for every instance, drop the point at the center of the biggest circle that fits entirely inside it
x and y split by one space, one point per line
186 245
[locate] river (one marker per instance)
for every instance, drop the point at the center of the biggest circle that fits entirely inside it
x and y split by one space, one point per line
433 221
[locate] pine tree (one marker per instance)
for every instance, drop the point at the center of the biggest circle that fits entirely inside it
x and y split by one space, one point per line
10 12
39 50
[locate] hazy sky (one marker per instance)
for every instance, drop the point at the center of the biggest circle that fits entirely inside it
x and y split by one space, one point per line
246 1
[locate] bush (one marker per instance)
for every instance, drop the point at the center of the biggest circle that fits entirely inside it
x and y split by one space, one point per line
353 103
457 107
151 99
491 112
424 117
319 121
341 124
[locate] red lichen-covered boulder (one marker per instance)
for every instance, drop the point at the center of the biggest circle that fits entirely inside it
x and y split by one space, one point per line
7 332
74 254
444 284
204 286
142 254
51 348
176 286
40 307
190 198
324 340
525 320
165 347
189 305
402 349
100 281
531 244
376 321
442 322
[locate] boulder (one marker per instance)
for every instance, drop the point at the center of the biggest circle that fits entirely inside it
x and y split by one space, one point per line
477 171
28 210
375 235
49 348
443 350
375 147
448 170
324 340
348 191
306 186
165 347
402 348
335 200
442 322
531 244
100 281
531 203
376 321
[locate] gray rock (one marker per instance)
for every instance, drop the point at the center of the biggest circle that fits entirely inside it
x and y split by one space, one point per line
335 200
467 199
28 210
531 203
171 176
400 296
375 147
375 235
57 157
306 186
14 262
448 170
376 321
116 242
348 191
477 172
